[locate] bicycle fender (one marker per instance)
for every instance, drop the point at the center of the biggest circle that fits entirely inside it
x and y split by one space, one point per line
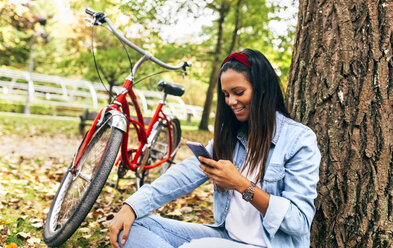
119 121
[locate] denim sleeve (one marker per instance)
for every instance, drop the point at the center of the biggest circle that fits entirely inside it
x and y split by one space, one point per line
293 211
180 179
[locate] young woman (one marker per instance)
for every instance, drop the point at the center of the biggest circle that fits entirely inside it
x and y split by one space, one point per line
265 169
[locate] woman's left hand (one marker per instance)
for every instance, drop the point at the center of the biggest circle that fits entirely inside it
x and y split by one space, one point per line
224 174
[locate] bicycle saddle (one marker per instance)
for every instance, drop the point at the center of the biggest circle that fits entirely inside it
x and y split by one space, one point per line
171 88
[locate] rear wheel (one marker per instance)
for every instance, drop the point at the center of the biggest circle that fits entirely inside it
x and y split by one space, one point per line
81 185
160 149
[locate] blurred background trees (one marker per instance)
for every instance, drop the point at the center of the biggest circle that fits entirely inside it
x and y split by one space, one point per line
56 35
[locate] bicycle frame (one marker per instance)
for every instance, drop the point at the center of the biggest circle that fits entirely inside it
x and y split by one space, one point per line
120 104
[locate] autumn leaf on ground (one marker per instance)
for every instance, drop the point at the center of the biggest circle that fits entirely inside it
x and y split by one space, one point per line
12 245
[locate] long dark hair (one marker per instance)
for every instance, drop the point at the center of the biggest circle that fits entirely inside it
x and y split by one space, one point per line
266 99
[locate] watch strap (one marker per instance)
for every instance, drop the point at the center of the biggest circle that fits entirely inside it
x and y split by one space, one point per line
248 194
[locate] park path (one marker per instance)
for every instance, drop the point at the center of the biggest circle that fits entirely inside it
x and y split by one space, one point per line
58 146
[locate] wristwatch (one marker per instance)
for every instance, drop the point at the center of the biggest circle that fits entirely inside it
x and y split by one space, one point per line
248 194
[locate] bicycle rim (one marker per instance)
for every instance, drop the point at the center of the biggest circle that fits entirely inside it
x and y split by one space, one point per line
70 206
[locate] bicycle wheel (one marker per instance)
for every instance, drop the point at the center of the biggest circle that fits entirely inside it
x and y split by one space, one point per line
160 149
81 186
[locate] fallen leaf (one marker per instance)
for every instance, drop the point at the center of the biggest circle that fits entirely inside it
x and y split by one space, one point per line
98 212
37 225
86 236
4 230
12 245
48 196
3 238
94 224
84 229
33 241
185 209
14 200
106 223
175 213
23 235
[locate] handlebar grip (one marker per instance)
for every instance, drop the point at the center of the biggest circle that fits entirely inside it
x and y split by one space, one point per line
90 11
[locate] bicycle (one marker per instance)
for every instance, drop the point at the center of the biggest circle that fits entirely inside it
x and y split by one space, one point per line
88 172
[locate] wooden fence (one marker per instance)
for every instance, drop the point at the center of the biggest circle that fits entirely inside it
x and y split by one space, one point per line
35 88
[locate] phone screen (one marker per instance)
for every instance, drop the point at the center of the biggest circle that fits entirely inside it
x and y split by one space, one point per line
198 149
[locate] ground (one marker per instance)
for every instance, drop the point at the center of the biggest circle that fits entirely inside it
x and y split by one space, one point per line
33 161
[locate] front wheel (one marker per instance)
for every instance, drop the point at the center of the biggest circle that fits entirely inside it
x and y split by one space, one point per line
82 184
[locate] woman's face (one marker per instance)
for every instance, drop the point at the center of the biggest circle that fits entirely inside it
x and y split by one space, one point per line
238 93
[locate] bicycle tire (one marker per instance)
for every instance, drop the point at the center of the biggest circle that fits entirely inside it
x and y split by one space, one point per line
176 137
161 140
68 212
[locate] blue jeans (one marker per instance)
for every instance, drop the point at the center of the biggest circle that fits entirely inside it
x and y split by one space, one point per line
155 231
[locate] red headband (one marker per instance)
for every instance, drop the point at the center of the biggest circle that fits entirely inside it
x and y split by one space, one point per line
241 57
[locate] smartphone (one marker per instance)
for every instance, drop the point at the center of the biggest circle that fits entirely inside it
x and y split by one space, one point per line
198 149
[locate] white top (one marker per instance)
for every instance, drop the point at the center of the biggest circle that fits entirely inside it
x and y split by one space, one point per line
243 222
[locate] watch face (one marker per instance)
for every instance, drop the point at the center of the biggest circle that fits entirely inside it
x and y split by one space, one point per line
247 196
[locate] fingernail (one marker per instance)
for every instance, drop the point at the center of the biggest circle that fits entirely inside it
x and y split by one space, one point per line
123 241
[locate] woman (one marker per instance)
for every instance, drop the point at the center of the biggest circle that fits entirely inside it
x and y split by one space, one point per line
265 169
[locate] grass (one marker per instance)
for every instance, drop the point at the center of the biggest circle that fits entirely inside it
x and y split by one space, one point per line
29 183
21 125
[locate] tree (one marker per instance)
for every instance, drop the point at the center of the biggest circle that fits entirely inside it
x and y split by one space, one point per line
222 9
341 85
21 28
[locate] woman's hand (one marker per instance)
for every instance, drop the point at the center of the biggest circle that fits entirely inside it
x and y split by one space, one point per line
122 221
224 174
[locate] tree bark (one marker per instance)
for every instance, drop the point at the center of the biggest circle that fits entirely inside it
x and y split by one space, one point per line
223 11
341 85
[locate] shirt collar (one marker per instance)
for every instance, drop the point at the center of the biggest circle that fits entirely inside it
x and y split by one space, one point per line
242 133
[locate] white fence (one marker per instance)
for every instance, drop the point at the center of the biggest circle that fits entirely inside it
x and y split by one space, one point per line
38 88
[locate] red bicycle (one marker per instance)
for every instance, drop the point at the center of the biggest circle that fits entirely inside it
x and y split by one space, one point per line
89 170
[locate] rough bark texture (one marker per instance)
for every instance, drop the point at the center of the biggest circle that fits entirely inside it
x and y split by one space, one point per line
341 85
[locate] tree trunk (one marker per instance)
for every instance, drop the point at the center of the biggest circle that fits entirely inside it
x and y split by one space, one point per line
223 11
341 85
236 28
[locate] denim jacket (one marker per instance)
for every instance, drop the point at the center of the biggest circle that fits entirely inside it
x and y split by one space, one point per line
291 176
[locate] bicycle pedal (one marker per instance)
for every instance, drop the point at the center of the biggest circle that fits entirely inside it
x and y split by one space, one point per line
156 150
161 144
156 157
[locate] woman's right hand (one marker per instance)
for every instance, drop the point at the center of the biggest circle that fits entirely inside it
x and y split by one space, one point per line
122 221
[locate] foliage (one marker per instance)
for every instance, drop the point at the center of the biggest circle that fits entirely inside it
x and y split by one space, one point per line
67 51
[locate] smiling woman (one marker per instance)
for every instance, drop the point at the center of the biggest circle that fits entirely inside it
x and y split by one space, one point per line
265 170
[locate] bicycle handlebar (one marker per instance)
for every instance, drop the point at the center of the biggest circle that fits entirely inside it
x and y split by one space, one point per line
100 18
